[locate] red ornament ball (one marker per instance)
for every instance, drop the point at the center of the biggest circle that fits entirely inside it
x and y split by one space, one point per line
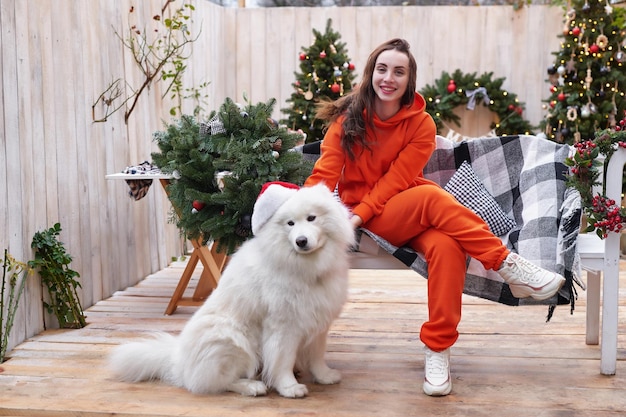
198 205
519 110
561 96
594 49
323 54
451 86
302 56
351 66
511 107
335 88
553 89
576 31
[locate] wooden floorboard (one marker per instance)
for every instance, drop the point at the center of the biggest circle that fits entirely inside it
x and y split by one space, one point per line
507 362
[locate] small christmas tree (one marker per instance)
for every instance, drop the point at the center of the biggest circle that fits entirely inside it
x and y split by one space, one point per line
219 167
325 72
588 79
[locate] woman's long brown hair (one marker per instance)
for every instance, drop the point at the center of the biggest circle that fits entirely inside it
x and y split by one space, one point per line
362 99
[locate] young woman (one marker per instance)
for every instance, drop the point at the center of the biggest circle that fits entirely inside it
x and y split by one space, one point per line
378 141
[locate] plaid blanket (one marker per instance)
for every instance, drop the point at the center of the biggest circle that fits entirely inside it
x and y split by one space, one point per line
526 176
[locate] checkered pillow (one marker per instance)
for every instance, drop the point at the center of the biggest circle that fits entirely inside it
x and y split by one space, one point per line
467 188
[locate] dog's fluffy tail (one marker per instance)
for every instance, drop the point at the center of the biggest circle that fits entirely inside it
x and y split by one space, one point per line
145 360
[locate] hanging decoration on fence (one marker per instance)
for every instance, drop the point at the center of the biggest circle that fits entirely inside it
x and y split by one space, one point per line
459 89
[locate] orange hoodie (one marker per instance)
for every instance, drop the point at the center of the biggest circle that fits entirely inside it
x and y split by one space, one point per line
400 148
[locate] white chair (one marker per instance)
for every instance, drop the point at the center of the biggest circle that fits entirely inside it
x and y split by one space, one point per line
601 256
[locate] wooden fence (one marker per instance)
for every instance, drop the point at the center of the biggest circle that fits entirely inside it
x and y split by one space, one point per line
57 57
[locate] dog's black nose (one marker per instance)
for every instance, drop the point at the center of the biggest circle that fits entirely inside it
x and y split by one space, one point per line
302 241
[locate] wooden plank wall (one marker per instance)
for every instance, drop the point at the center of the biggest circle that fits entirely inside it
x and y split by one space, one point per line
516 45
57 57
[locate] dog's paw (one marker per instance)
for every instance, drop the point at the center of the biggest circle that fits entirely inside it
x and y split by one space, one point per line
293 391
327 376
255 389
249 387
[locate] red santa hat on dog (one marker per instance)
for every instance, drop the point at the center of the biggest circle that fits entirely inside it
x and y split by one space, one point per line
272 196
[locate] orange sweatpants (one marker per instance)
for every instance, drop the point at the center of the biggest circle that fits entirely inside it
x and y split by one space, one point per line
432 222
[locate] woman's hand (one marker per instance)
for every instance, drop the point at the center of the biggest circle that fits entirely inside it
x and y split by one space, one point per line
356 221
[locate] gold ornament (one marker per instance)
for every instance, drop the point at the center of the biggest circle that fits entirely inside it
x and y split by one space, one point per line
309 94
602 41
588 79
571 114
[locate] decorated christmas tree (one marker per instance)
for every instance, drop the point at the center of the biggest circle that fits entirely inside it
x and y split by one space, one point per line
325 73
219 167
588 78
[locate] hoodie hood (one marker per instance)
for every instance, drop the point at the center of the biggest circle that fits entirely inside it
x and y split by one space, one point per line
418 106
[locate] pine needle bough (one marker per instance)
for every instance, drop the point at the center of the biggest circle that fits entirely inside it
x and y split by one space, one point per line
219 166
53 262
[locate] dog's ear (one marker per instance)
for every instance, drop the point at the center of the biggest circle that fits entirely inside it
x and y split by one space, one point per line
272 196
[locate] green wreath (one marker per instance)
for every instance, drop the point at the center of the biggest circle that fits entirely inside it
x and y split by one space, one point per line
451 91
219 167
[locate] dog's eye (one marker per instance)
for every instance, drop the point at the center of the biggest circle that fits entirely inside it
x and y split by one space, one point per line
310 218
290 223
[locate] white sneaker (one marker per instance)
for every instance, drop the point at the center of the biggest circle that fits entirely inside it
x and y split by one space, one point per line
437 381
528 280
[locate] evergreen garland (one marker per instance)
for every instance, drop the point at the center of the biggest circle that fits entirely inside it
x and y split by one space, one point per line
603 214
219 167
451 91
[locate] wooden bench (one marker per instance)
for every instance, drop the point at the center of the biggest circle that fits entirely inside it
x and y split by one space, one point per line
595 255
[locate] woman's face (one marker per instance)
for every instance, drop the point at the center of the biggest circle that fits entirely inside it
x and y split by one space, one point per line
391 76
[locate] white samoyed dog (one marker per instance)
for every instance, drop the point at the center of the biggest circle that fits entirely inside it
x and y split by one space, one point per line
271 311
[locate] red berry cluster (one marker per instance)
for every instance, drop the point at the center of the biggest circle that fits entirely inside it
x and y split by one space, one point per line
606 215
586 154
585 146
583 167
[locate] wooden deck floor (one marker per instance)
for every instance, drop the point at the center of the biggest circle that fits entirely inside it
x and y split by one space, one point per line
507 362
